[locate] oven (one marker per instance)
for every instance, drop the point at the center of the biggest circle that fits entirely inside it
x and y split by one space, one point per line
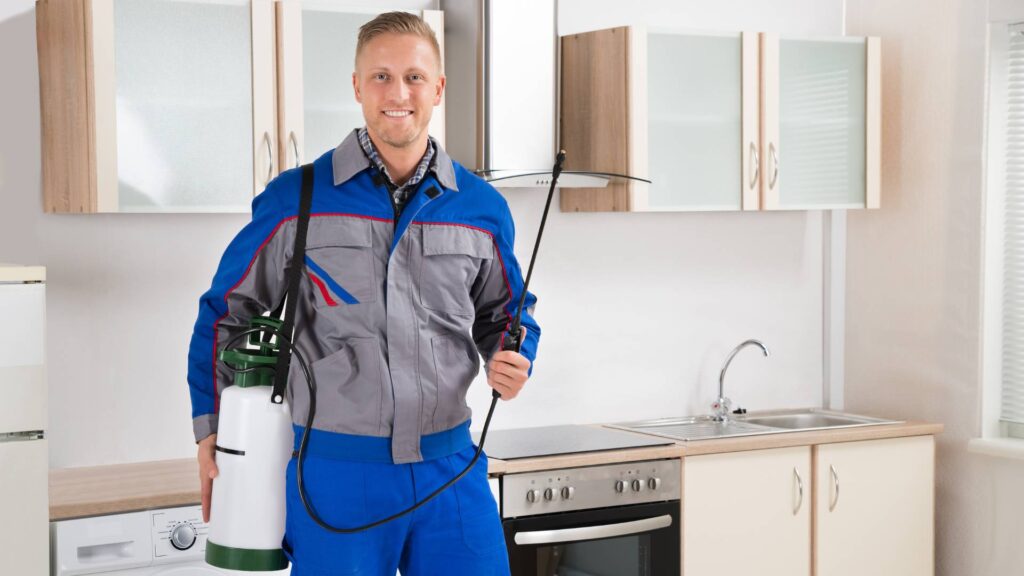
608 520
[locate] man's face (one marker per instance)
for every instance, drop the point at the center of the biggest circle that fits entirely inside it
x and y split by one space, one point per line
398 82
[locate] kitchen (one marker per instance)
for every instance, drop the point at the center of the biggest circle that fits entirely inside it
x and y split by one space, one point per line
880 312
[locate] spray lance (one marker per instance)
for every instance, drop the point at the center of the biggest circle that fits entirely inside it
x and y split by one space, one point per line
255 436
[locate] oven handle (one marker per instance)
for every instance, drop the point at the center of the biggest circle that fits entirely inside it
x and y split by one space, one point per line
593 532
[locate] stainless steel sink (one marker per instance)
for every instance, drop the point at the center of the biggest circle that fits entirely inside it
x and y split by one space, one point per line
768 422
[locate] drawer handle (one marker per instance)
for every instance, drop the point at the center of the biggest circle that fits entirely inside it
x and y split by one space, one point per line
835 482
800 485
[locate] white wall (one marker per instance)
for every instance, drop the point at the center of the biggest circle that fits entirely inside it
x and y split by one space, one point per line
914 277
639 310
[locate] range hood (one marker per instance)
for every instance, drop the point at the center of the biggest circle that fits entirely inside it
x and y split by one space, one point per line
542 178
501 57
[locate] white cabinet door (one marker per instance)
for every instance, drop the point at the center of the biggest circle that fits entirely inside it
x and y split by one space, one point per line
820 104
747 513
24 531
874 507
701 108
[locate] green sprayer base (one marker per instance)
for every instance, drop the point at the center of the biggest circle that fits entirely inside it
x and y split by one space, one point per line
245 559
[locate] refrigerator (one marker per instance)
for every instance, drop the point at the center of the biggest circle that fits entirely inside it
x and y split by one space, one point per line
24 466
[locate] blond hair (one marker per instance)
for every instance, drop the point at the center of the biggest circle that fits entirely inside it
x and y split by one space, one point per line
398 23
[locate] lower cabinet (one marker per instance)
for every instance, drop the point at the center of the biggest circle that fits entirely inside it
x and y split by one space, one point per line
875 507
842 509
748 513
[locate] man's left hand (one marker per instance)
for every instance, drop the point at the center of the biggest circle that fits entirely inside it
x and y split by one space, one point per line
507 372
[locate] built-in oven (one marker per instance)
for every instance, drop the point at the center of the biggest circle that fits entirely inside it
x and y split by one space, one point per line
608 520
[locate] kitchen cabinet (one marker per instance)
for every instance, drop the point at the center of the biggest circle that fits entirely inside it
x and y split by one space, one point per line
316 47
190 105
874 507
159 106
867 507
748 513
721 121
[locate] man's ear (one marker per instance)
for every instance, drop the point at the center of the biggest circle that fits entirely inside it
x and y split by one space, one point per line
439 88
355 87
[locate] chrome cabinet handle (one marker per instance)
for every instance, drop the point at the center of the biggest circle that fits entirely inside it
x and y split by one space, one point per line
775 165
755 160
295 148
593 532
800 484
270 158
835 481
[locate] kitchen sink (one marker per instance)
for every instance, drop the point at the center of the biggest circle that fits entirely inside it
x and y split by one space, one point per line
767 422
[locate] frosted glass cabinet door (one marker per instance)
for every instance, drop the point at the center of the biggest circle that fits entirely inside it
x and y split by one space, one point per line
694 104
317 47
179 127
818 109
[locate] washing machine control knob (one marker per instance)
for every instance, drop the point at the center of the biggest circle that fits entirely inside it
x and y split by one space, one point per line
183 536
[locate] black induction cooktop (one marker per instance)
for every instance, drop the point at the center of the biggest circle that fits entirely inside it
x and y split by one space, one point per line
514 443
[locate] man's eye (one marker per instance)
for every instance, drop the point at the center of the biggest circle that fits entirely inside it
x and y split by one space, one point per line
380 76
416 77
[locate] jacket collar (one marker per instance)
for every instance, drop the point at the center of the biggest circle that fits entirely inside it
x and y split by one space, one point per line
348 160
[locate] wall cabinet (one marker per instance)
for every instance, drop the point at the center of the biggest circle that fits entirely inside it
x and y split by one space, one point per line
872 505
730 121
189 105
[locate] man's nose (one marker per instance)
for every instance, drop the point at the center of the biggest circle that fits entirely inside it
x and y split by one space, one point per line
399 91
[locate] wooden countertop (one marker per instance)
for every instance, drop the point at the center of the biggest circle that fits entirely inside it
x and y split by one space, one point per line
78 492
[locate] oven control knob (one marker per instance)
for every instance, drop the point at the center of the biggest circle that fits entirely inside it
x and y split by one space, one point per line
638 485
183 536
620 486
533 496
568 492
549 494
654 483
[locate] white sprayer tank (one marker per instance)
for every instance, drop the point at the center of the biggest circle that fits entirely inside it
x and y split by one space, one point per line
247 511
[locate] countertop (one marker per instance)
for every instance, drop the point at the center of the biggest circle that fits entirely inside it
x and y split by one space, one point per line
78 492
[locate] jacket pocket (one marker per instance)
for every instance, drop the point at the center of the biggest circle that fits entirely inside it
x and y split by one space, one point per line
349 388
339 262
452 256
456 363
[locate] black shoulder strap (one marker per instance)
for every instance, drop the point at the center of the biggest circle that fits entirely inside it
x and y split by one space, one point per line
294 275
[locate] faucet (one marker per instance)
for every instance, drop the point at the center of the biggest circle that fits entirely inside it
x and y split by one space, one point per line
720 407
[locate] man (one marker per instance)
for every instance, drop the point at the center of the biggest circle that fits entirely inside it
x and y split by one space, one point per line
409 278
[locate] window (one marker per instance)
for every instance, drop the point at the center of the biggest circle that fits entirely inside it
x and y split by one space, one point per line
1006 220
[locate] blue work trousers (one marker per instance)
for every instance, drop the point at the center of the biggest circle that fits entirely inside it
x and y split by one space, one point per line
458 532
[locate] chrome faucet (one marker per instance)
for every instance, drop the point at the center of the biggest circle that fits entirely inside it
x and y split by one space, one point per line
720 408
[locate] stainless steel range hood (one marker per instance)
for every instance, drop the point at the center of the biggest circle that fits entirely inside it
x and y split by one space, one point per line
501 58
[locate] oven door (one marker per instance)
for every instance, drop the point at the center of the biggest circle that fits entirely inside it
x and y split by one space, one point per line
636 540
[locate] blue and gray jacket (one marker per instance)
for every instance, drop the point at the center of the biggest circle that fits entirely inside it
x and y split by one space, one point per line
393 313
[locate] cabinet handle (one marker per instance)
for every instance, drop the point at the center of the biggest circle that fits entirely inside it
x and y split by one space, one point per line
295 148
835 482
270 158
775 165
755 160
800 485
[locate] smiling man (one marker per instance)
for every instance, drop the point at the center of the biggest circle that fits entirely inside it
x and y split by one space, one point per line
409 280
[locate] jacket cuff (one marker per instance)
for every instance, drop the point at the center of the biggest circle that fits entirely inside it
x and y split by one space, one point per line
204 425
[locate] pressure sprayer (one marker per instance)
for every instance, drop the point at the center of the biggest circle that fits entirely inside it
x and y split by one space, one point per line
255 435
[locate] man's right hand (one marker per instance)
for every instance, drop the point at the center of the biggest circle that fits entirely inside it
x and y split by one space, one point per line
207 471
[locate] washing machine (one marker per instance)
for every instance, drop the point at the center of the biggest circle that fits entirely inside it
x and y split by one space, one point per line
162 542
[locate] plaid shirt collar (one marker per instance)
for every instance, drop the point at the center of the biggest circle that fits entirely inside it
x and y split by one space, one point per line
348 159
400 193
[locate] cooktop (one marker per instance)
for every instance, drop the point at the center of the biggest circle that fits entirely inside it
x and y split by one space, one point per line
514 443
